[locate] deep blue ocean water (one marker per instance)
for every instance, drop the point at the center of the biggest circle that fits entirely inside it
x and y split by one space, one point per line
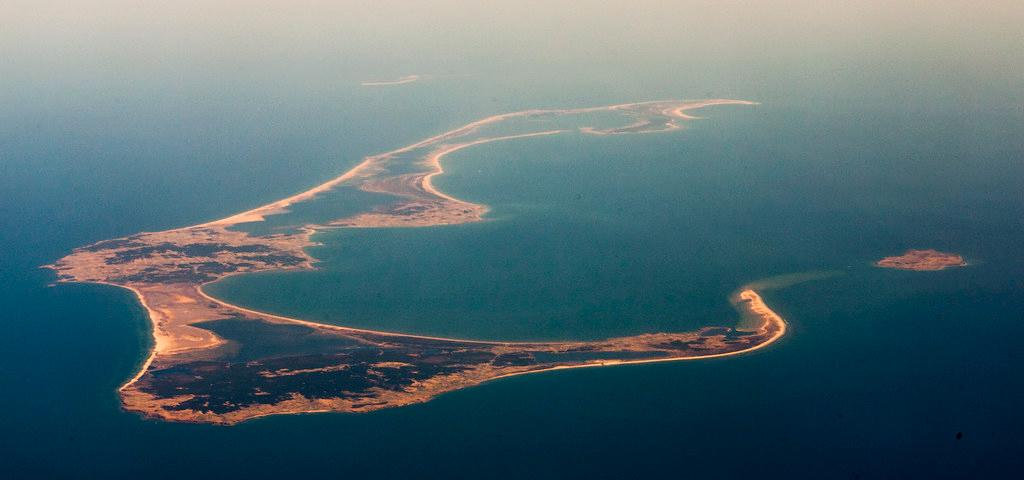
855 153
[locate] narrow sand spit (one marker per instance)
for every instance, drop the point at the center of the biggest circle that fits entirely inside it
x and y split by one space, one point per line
182 378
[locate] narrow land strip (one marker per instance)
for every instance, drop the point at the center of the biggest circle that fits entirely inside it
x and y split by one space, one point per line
199 346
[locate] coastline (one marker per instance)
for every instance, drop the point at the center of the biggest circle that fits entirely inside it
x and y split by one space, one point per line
149 264
280 206
757 306
774 339
774 319
152 335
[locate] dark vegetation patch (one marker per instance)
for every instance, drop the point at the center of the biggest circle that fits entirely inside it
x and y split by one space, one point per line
187 250
517 359
276 259
678 344
159 276
570 357
222 387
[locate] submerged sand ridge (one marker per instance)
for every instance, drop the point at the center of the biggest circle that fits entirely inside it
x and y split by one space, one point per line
220 363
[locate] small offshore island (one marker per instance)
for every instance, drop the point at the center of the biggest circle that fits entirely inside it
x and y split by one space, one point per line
922 261
214 362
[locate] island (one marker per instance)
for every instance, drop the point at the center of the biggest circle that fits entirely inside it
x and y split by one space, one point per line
214 362
922 261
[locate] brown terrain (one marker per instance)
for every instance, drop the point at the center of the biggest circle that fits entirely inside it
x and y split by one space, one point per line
219 363
922 261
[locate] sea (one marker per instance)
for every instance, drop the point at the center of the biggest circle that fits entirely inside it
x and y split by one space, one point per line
879 129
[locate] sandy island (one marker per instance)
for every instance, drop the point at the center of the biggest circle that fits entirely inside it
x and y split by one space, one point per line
200 370
922 261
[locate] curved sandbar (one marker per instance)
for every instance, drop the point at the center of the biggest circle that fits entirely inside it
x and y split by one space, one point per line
221 363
